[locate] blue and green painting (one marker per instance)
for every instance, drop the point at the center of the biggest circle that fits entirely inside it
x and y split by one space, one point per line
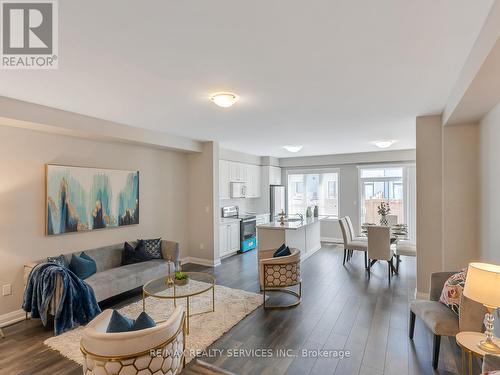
82 199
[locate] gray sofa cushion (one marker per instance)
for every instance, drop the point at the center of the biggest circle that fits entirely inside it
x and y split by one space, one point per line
118 280
438 317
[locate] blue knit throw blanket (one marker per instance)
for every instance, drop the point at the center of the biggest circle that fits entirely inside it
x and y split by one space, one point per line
78 305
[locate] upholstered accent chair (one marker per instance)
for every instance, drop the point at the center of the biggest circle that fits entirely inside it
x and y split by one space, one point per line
380 248
153 351
440 319
279 274
352 243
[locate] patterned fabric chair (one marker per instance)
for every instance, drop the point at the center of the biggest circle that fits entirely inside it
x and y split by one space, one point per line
278 274
152 351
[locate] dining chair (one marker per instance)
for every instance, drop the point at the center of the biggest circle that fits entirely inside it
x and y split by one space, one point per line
392 220
380 248
353 233
350 244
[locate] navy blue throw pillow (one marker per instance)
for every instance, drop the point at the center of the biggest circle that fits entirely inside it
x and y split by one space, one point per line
153 248
286 251
82 266
119 323
279 250
131 255
59 260
143 321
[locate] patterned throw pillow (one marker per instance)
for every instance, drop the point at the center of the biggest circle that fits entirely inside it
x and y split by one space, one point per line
59 260
153 247
453 289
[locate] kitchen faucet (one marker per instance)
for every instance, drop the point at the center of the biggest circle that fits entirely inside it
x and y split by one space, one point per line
301 217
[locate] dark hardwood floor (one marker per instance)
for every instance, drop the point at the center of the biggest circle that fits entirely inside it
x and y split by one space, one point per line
341 309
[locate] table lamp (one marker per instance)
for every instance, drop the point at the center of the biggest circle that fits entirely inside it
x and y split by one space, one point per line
483 285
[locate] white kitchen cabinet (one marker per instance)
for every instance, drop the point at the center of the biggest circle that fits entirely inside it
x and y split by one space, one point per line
224 181
237 172
229 238
249 174
274 176
253 181
234 237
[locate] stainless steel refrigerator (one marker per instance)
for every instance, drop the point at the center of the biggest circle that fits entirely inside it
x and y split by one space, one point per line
278 200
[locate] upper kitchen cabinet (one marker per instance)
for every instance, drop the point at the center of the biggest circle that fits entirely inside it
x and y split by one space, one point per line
248 174
237 172
224 172
274 176
253 181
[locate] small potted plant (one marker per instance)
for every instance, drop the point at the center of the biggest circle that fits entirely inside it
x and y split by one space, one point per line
180 278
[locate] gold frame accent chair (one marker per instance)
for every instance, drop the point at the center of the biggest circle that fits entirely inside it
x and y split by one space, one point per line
279 274
158 350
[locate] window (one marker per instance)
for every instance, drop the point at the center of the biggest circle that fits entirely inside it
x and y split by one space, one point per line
312 188
382 184
393 184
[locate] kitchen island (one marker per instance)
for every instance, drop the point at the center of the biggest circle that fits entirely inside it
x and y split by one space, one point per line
301 234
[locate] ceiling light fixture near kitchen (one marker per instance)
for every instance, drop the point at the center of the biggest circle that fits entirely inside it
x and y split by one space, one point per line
384 144
224 99
296 148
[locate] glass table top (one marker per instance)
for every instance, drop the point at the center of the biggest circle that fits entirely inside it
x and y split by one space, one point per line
198 282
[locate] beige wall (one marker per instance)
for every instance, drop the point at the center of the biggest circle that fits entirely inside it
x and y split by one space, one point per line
447 197
429 199
460 195
489 131
23 155
204 203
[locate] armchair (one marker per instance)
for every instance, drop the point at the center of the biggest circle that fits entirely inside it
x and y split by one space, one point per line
440 319
278 274
158 350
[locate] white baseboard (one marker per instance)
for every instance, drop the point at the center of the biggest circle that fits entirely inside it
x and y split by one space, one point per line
332 239
12 317
201 261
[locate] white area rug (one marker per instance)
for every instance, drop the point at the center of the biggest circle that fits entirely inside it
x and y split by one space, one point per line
231 306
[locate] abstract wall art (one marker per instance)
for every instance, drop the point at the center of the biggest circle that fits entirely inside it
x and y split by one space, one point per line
82 199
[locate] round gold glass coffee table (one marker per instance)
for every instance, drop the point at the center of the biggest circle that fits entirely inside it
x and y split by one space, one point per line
198 283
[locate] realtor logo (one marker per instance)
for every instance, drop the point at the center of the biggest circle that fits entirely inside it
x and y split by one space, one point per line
29 34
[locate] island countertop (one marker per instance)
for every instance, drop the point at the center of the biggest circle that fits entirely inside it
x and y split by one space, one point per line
291 225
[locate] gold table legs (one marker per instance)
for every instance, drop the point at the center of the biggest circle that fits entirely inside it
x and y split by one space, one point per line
188 315
466 357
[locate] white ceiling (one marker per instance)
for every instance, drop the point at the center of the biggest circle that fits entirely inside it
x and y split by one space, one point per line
331 75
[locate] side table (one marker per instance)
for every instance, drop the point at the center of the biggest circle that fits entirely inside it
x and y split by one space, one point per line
468 343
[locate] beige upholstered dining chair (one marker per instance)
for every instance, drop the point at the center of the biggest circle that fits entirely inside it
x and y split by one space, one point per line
380 248
351 243
156 350
279 274
392 220
405 248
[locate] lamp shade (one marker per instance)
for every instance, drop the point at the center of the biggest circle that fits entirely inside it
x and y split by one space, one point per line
483 284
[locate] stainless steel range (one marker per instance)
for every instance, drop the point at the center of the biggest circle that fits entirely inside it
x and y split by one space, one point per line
248 231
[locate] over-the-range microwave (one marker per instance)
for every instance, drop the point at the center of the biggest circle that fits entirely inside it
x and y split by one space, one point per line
238 190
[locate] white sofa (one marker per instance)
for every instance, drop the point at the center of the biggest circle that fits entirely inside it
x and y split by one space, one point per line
155 351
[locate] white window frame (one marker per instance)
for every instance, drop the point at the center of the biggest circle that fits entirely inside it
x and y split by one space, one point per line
361 192
336 170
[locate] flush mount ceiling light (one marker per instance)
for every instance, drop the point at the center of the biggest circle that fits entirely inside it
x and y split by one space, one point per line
296 148
384 144
224 99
